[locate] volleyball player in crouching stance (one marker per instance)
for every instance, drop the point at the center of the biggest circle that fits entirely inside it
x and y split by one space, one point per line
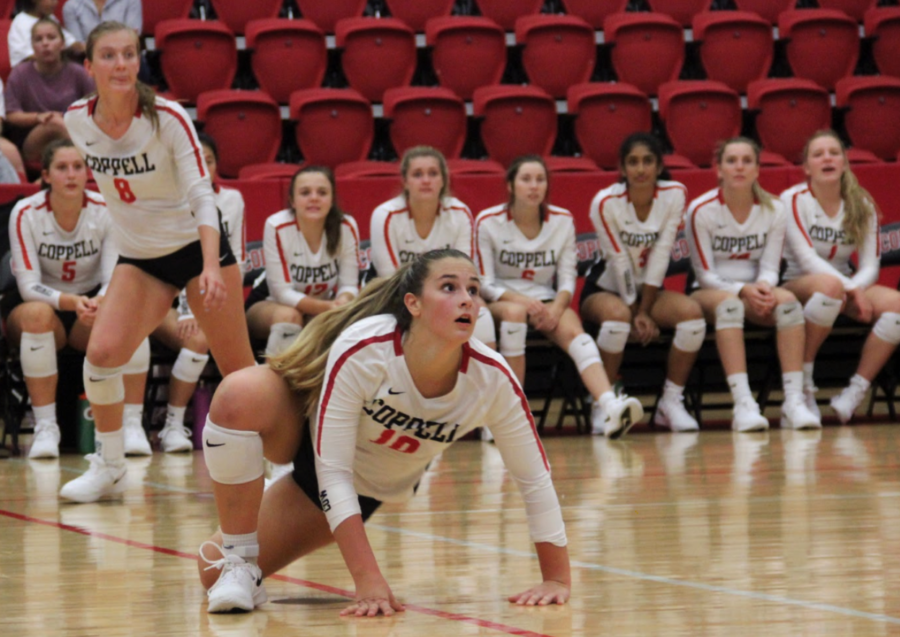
736 233
363 400
636 221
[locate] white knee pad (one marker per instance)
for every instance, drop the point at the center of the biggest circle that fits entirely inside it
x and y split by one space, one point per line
189 365
140 360
613 336
232 456
512 338
281 336
484 327
103 385
730 314
689 335
887 328
583 350
789 315
822 310
37 353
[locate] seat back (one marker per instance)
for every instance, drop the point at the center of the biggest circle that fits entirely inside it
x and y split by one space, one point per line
517 120
189 45
605 115
736 47
856 9
789 111
155 11
823 44
594 12
431 116
467 52
378 54
559 51
883 26
506 12
237 13
287 55
5 67
698 115
334 126
682 11
872 104
326 14
769 10
647 49
415 13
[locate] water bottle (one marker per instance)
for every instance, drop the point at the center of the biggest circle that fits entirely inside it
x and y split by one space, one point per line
85 426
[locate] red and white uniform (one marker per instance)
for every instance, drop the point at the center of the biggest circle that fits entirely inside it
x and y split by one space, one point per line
510 261
154 181
727 255
395 241
636 252
294 270
816 243
48 261
375 434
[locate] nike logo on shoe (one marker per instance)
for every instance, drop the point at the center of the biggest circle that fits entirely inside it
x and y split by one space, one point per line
211 444
259 581
197 360
34 349
94 380
730 309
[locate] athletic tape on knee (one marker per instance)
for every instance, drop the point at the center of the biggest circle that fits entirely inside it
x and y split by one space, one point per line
37 353
140 360
583 351
512 338
887 328
485 331
613 336
689 335
821 309
730 315
789 315
281 336
189 365
103 385
232 456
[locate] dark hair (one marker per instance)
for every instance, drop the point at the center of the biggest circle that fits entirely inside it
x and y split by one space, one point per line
513 171
207 140
335 214
48 154
652 143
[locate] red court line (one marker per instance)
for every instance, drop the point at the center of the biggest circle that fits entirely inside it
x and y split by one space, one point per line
481 623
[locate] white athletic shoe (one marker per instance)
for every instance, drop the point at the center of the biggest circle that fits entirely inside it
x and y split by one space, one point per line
274 472
845 403
746 416
136 443
45 443
240 584
618 416
101 480
796 415
670 412
486 435
809 399
174 438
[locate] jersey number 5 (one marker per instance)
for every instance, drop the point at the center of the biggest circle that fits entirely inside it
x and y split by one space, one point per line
68 271
528 275
124 190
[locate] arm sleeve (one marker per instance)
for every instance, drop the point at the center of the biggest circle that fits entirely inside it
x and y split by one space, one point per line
179 134
380 241
567 266
348 263
11 94
134 16
661 254
464 238
277 274
72 22
25 264
489 288
69 38
701 256
802 249
19 40
615 255
770 261
868 255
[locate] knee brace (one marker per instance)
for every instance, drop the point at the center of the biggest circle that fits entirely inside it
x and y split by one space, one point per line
232 456
37 353
189 365
887 328
821 309
512 338
140 360
689 335
103 385
281 336
484 327
730 315
583 351
613 336
788 315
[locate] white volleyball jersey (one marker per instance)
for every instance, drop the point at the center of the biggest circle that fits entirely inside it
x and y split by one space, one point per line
230 203
374 433
47 261
395 241
154 181
510 261
294 270
727 255
817 244
636 252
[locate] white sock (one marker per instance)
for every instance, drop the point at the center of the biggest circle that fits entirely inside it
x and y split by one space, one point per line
671 390
245 545
133 412
808 382
860 382
175 415
605 397
46 412
740 386
112 446
792 384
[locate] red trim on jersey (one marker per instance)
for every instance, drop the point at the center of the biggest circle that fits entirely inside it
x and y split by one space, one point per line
481 358
797 217
187 129
96 202
694 231
464 363
398 342
477 230
329 386
609 232
355 239
78 107
387 236
284 263
21 239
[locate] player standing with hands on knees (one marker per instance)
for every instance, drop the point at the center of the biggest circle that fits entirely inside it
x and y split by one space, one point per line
146 158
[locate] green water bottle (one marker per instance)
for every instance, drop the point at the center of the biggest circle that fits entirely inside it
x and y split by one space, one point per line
85 426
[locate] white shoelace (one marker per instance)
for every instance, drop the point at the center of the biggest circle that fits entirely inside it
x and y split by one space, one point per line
226 559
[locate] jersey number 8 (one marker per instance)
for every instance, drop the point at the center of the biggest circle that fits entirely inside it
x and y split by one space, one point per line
124 190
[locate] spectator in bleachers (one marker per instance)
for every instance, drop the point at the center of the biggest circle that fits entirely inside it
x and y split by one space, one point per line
63 256
833 217
81 16
526 251
11 164
20 31
736 233
39 91
636 221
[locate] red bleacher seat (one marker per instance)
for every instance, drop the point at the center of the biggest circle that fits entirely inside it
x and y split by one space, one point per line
856 9
155 11
736 47
594 12
682 11
326 13
5 67
367 169
789 111
883 26
416 13
559 51
432 116
556 165
517 120
378 54
647 48
475 167
467 52
506 12
237 13
186 47
607 113
6 8
287 55
697 115
823 44
334 126
268 170
767 9
871 120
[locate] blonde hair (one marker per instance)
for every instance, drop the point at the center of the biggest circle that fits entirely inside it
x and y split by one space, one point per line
427 151
765 198
858 203
146 95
